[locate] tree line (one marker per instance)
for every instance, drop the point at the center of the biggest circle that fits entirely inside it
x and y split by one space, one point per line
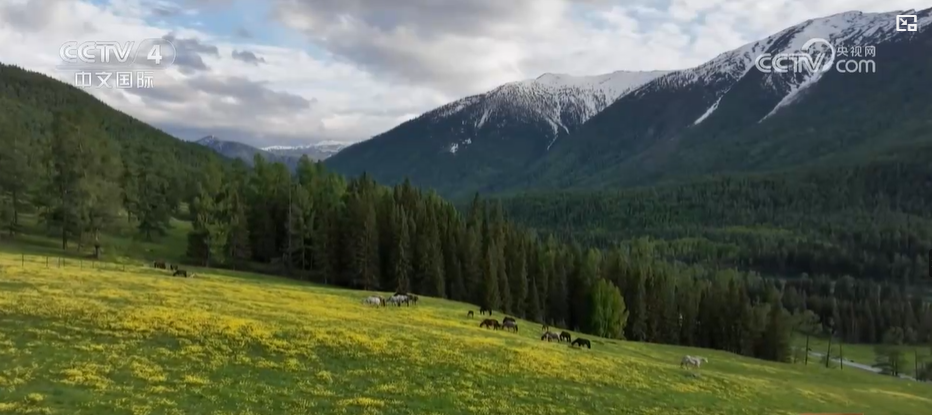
317 226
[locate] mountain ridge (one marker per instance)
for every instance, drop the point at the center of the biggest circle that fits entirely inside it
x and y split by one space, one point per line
669 123
482 136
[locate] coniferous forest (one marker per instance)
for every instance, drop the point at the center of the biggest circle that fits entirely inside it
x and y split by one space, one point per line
82 166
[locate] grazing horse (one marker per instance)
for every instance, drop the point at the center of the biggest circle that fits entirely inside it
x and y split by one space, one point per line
158 264
507 319
398 299
489 322
581 342
695 361
550 336
373 300
412 298
180 272
565 336
173 267
483 310
510 325
470 314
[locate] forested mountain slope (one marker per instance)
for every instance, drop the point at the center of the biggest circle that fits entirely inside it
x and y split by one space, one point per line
79 162
870 220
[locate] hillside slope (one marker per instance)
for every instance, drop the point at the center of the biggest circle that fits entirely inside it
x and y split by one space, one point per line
114 342
487 137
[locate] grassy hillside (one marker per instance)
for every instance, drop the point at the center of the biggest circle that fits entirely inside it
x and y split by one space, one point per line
107 341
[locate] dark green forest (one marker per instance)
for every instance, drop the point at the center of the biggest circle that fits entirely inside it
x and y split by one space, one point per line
82 166
872 220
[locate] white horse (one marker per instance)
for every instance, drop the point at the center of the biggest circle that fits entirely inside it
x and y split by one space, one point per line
373 300
397 299
692 361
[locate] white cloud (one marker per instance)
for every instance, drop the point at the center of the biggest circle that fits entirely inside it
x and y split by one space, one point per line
383 62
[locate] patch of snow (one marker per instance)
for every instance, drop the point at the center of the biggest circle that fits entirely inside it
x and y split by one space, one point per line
709 111
793 94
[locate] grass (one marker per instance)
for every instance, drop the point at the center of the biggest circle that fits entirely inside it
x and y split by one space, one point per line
87 341
121 243
860 353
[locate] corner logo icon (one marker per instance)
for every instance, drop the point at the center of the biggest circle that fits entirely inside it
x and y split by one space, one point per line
907 23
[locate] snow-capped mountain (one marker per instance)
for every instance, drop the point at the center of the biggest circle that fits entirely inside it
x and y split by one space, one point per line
315 151
562 102
492 133
842 30
726 115
628 128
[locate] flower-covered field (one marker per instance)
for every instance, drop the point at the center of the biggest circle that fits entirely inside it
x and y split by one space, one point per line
86 341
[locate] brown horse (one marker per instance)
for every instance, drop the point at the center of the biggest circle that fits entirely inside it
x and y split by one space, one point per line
470 314
489 323
412 298
566 336
483 310
158 264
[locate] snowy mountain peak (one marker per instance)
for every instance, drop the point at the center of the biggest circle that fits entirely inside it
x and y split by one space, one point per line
847 29
558 102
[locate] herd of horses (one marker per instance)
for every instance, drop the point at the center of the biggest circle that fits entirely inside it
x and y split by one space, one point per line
510 324
397 299
176 272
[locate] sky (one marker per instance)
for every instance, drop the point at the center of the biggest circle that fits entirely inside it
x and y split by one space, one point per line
291 72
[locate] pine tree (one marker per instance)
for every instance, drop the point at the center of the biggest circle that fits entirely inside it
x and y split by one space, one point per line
18 165
401 260
777 335
490 295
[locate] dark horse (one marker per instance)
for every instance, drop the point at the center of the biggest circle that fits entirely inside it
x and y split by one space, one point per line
470 314
483 310
507 319
510 325
412 298
565 337
180 272
581 342
158 264
489 322
173 267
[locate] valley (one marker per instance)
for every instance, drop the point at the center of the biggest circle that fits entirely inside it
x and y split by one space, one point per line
715 211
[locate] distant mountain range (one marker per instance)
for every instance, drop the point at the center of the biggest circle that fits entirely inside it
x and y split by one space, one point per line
638 128
280 154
